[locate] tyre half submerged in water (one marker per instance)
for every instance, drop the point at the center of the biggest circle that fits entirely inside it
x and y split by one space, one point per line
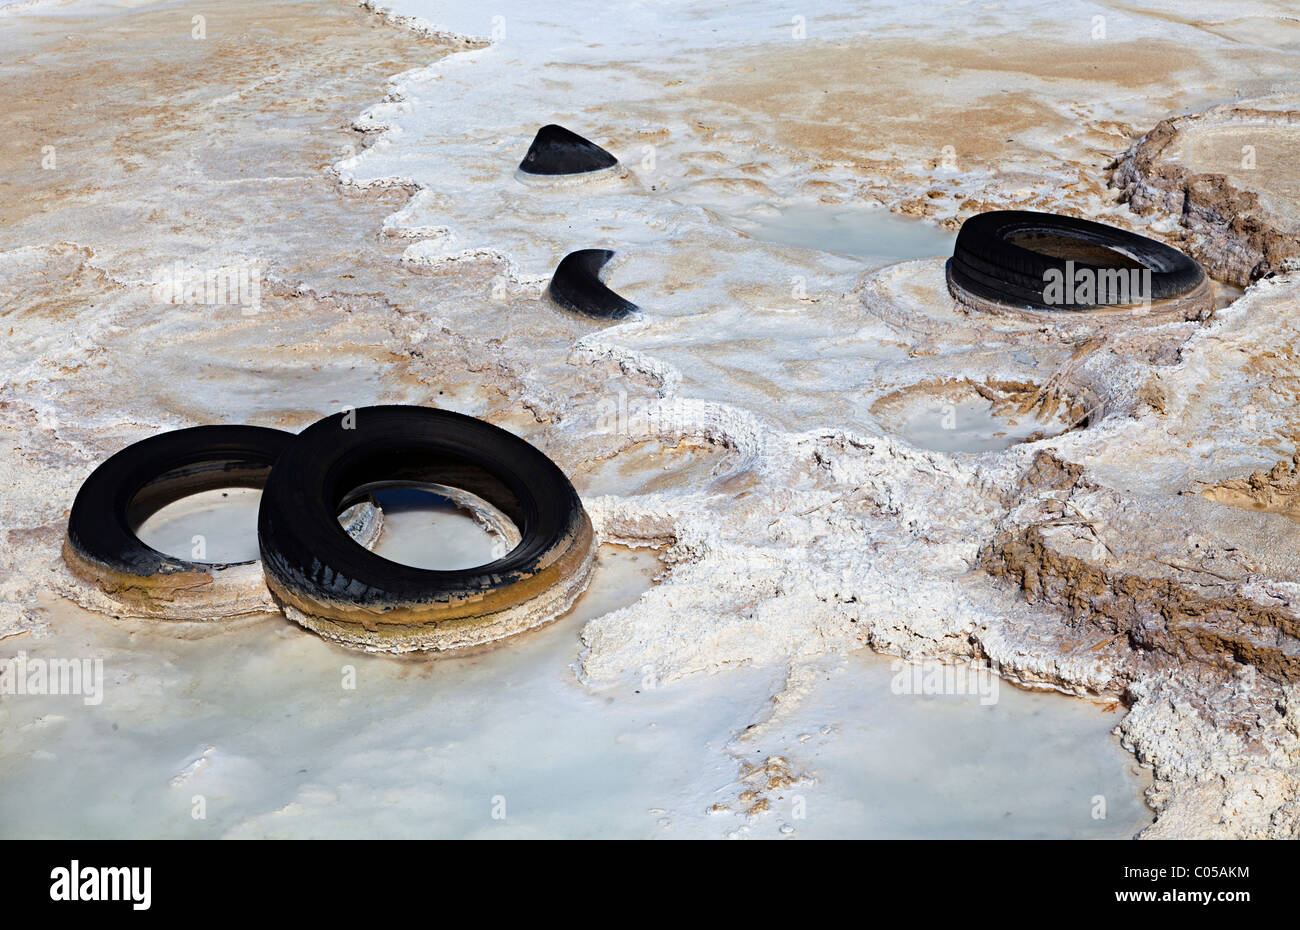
102 549
576 287
333 586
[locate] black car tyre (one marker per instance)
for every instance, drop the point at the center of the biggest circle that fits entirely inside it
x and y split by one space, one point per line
124 576
1008 258
576 286
331 585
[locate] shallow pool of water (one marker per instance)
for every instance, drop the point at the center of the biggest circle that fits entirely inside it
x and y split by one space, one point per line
419 527
219 525
897 762
425 529
858 231
957 418
258 728
968 425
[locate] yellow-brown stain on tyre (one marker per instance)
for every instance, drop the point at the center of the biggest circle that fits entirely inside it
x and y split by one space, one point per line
328 583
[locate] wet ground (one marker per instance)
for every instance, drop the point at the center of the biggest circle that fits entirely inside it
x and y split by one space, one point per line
761 423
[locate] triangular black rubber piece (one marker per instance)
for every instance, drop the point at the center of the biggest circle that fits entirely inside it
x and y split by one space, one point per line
576 286
556 150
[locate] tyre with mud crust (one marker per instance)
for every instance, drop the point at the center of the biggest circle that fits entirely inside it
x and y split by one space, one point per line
1014 258
329 584
101 546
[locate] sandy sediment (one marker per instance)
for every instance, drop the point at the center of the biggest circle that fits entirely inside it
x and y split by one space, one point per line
1227 175
213 161
1132 584
1276 490
1002 126
1089 562
1186 599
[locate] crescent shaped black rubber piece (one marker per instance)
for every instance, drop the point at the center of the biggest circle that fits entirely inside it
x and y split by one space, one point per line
987 263
101 544
330 584
556 150
576 286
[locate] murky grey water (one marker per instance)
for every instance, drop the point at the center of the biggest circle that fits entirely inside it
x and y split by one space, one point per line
212 526
420 528
257 728
427 530
968 425
861 231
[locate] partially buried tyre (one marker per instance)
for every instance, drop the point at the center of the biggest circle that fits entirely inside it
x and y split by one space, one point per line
557 151
122 574
331 585
576 287
1042 262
